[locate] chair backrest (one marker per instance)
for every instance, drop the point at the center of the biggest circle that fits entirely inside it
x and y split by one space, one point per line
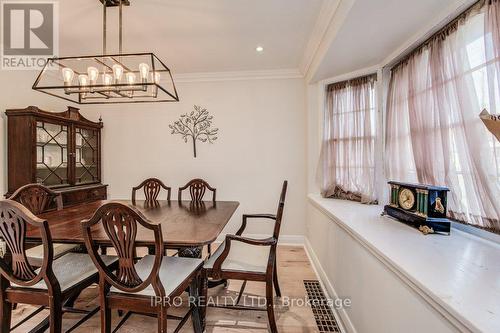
120 223
14 220
37 198
152 187
197 188
281 207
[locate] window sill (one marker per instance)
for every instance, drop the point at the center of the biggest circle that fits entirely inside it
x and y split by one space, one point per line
458 275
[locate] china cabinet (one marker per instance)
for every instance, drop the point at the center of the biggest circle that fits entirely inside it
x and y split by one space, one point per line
61 150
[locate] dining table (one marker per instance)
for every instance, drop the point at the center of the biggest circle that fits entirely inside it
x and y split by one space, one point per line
184 224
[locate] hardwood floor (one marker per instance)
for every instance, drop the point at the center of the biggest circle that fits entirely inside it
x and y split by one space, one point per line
293 268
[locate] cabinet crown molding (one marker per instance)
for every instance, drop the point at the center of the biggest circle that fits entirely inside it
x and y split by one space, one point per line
72 114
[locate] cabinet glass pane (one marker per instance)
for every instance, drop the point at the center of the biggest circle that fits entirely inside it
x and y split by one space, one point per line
51 154
86 156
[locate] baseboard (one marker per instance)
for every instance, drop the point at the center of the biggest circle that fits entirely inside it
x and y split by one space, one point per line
340 314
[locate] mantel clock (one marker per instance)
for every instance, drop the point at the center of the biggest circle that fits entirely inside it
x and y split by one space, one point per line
422 206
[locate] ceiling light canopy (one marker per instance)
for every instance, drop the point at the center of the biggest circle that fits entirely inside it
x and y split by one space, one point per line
108 78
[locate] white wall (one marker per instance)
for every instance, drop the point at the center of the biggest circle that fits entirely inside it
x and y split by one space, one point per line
262 141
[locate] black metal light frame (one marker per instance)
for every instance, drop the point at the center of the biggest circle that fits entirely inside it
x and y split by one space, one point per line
116 92
174 97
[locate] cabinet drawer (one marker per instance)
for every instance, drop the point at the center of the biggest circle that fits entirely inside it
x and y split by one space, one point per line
75 196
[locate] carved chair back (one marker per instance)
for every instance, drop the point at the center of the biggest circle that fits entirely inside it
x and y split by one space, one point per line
37 198
14 220
120 223
152 187
197 188
279 213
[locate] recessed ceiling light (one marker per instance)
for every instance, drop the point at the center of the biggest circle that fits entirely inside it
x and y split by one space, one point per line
259 49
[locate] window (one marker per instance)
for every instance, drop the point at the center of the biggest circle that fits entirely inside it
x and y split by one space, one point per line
434 133
347 167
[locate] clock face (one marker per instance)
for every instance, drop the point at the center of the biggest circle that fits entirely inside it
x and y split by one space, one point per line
406 199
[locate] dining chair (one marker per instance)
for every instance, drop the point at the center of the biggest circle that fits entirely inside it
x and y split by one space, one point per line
137 286
197 188
152 187
248 259
39 199
51 285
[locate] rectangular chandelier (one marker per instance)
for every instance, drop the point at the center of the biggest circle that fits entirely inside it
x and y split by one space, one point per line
103 79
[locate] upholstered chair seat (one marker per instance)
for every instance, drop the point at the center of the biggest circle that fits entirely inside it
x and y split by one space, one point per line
173 271
242 257
35 254
72 269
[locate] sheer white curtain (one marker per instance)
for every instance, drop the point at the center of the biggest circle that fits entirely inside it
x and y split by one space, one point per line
347 168
434 133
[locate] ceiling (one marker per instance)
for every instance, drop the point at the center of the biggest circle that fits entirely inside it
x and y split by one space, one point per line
194 36
374 29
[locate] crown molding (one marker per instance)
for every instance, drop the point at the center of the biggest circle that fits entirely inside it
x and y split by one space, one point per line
239 75
335 18
327 11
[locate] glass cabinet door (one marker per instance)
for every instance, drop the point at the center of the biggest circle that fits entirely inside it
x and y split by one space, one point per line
86 156
51 154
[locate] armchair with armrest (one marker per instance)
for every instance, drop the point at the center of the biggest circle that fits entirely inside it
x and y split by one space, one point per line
248 259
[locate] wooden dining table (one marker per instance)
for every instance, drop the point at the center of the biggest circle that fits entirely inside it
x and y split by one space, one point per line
184 224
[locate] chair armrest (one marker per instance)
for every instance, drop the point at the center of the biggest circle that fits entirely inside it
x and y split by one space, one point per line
253 216
216 269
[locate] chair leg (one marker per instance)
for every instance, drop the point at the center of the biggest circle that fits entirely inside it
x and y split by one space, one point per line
203 300
270 307
5 315
70 302
55 317
162 320
5 307
194 293
275 280
105 310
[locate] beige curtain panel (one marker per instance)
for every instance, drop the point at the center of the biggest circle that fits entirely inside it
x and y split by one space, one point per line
347 169
434 132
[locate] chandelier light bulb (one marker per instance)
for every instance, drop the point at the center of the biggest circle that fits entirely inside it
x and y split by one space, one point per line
93 74
83 80
130 78
107 79
117 72
144 70
68 75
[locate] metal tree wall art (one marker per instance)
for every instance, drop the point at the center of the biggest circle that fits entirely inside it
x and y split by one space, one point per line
195 125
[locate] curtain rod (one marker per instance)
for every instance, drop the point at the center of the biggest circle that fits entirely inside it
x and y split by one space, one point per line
354 81
452 25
